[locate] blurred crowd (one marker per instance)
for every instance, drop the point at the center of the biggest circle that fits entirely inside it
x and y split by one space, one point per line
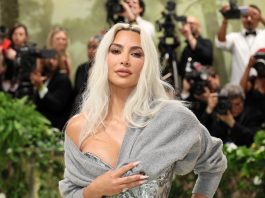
234 111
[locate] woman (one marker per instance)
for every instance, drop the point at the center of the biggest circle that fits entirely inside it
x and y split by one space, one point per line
18 35
130 137
58 39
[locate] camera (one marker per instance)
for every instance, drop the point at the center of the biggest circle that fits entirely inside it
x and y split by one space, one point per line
31 50
197 76
169 41
167 25
234 12
223 105
260 64
114 8
25 64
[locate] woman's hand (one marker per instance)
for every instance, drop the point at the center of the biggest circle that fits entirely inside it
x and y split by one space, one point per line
112 182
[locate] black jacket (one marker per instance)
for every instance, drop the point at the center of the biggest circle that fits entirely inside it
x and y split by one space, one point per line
203 53
56 104
243 132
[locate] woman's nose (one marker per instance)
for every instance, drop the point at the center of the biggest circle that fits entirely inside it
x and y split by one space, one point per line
125 59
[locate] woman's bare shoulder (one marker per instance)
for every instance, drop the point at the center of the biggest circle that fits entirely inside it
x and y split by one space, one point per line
74 126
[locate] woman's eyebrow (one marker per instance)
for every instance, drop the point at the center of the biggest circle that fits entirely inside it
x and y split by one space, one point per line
115 44
121 46
136 47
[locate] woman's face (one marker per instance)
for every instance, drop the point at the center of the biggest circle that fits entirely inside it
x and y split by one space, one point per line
19 36
59 41
125 60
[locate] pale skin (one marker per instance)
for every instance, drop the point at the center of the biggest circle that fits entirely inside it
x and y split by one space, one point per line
125 60
60 41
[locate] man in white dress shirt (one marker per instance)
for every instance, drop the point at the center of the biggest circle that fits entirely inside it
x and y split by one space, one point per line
242 44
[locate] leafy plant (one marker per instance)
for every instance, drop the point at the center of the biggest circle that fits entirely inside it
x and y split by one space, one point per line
30 150
244 177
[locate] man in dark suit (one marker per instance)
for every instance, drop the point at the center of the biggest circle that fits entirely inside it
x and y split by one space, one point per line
84 69
53 96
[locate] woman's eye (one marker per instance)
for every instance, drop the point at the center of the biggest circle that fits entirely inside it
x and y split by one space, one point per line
114 51
137 54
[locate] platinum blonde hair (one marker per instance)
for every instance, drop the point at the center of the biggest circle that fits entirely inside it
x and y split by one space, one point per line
145 100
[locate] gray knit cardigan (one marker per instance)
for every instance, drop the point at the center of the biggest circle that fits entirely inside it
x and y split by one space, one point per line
173 135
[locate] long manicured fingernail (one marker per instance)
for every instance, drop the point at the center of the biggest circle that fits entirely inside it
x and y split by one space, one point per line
136 163
144 177
143 181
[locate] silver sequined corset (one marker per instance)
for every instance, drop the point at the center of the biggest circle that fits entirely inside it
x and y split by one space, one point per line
158 188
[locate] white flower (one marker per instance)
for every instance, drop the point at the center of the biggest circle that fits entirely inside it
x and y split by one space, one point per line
2 195
8 151
231 146
257 181
261 149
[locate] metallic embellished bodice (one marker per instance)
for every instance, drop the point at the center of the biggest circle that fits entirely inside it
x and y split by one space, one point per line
158 188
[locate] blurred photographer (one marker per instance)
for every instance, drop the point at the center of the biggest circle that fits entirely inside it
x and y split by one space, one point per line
83 70
198 48
228 118
254 86
53 92
20 61
198 83
241 44
130 11
13 60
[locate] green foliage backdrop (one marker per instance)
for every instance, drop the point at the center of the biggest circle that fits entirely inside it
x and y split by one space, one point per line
31 152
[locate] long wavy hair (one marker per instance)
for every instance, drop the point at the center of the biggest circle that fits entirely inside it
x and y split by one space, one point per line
144 101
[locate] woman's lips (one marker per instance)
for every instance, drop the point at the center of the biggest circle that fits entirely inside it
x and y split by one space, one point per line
123 72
